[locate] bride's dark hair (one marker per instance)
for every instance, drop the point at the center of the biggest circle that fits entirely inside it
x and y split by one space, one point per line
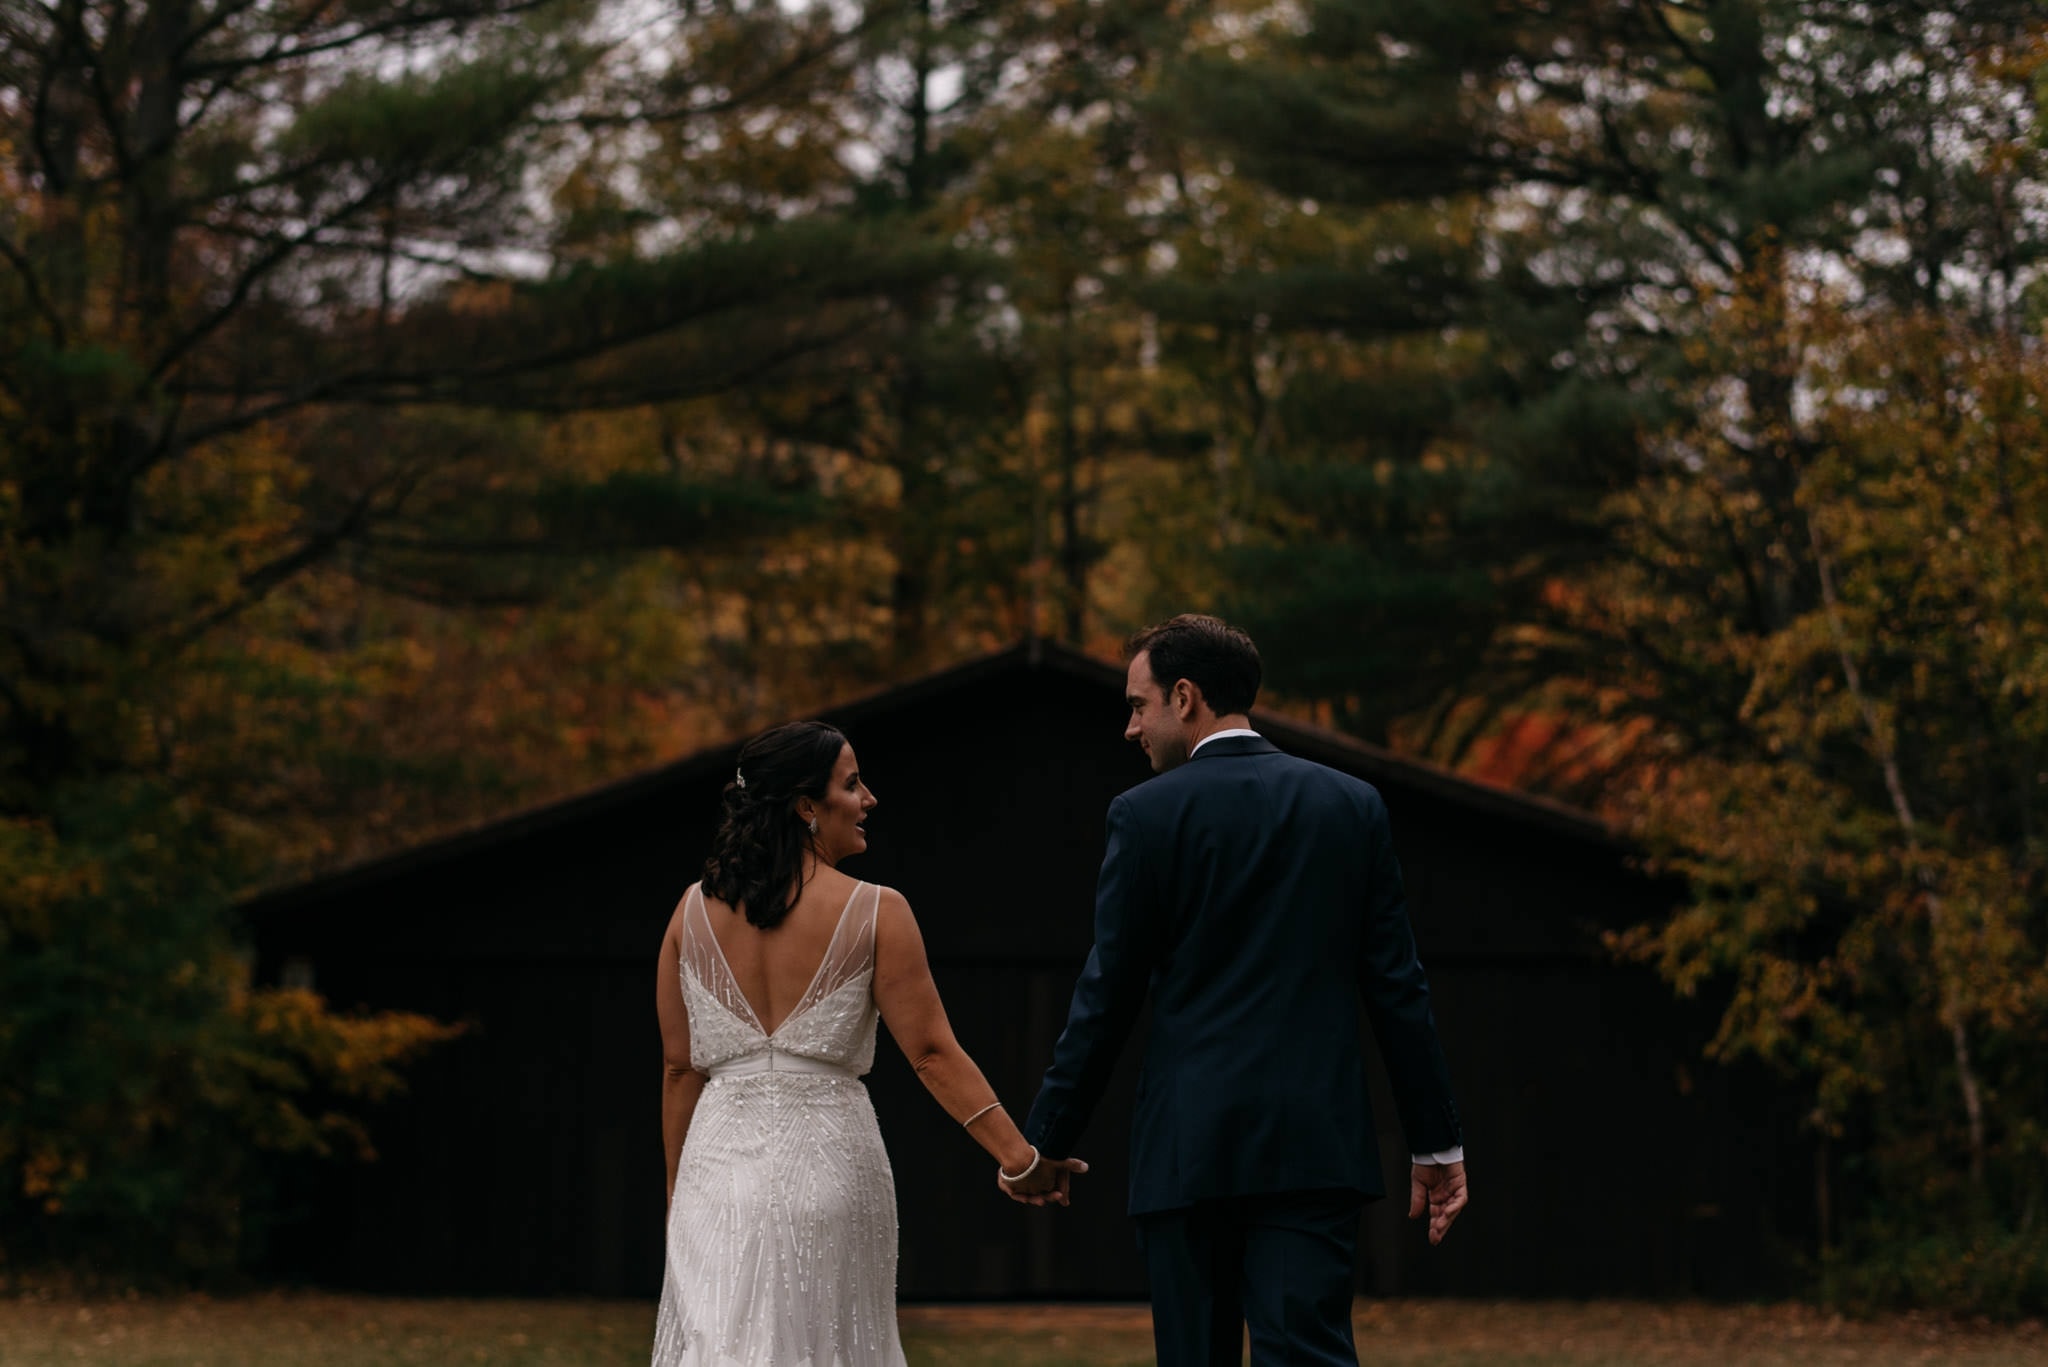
757 856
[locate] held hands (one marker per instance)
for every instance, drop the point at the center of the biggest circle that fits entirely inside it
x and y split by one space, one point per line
1034 1180
1043 1182
1438 1188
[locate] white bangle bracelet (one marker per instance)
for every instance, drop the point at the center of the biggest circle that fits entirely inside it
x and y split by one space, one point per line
992 1106
1029 1168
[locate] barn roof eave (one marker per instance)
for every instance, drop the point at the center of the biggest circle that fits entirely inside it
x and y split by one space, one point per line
605 797
1309 741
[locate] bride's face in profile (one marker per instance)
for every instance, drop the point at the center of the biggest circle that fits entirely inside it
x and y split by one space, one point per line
843 811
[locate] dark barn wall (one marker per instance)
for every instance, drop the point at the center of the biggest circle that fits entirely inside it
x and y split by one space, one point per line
526 1156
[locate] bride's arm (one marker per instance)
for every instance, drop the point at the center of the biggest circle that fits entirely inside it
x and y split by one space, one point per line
680 1085
910 1006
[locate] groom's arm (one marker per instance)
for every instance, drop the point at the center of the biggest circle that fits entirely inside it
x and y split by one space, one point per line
1396 993
1129 925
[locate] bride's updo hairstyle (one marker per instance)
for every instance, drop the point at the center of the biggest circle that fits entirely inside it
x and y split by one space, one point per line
757 856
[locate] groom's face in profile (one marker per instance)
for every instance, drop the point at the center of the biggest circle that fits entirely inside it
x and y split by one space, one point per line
1155 724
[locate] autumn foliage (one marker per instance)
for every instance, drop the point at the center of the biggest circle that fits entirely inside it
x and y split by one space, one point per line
1852 786
411 411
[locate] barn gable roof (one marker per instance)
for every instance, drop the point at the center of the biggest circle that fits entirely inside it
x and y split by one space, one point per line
1373 763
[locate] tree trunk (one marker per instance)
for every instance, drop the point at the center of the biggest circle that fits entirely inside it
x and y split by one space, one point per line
1902 809
1073 554
911 589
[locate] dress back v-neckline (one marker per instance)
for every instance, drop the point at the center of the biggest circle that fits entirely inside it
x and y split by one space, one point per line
810 996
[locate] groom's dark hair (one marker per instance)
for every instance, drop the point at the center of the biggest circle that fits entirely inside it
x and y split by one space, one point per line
1209 653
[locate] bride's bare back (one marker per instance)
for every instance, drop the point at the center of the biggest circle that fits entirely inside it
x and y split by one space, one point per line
774 968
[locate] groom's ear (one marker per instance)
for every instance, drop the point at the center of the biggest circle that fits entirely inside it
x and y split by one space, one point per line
1186 698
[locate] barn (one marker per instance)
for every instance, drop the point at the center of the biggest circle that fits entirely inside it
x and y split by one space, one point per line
525 1157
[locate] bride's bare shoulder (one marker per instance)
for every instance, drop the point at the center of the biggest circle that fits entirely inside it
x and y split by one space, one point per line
895 923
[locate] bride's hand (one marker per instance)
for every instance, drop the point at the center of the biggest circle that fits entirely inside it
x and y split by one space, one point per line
1044 1185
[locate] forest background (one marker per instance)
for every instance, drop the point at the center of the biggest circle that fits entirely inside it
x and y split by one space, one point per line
412 410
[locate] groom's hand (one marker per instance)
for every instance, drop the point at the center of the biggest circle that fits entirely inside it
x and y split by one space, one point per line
1439 1189
1047 1186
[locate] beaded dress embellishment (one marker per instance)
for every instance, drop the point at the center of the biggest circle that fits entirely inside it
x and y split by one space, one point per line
782 1234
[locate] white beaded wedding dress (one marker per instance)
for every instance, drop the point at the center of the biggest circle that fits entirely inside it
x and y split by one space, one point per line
782 1231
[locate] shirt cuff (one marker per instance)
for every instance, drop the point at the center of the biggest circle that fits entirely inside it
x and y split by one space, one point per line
1455 1154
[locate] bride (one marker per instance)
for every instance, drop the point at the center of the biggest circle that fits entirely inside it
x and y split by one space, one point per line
782 1210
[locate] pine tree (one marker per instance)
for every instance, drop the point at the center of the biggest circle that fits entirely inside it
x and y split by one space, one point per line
281 325
1550 203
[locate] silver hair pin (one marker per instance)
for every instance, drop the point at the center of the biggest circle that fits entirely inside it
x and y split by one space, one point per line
739 780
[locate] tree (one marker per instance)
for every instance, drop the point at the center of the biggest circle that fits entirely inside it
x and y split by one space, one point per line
187 267
279 336
1727 244
1416 441
1861 826
1552 196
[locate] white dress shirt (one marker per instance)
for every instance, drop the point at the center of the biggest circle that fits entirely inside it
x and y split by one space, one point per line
1421 1160
1219 735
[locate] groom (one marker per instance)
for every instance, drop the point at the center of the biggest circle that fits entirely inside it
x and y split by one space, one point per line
1256 898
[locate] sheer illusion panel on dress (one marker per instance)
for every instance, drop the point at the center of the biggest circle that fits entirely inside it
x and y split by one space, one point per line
825 1020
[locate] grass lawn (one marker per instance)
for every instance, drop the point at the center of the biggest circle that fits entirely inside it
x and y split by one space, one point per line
315 1330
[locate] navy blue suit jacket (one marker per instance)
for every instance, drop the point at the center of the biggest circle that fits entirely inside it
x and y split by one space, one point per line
1255 897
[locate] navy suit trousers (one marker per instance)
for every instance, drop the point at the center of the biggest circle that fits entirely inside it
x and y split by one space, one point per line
1279 1265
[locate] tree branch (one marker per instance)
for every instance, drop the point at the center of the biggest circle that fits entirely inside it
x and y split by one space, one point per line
103 97
1655 10
225 15
266 578
803 59
248 280
473 389
340 42
37 299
